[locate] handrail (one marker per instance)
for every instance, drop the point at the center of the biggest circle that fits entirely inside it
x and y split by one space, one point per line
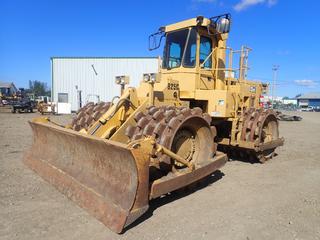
202 64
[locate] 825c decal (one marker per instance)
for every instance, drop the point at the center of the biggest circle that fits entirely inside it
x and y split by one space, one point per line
173 86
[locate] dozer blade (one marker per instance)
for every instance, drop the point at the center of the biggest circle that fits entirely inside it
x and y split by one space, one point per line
107 178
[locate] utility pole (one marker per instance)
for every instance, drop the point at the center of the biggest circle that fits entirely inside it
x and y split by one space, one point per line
274 69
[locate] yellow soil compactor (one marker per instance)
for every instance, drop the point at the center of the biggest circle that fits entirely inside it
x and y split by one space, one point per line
163 135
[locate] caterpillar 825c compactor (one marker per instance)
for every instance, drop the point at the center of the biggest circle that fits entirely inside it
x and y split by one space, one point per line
163 135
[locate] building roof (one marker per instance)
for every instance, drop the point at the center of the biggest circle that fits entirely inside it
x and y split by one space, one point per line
88 57
7 85
311 95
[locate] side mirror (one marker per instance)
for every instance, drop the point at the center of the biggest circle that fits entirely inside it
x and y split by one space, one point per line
155 40
221 23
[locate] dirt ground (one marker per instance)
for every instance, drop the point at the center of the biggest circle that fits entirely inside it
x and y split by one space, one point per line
276 200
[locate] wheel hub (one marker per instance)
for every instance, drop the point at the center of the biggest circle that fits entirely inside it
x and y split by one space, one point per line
184 145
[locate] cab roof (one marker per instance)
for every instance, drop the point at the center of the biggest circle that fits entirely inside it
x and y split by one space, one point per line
198 21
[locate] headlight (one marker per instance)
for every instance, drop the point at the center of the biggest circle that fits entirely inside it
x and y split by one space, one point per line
150 77
146 77
122 80
153 77
118 80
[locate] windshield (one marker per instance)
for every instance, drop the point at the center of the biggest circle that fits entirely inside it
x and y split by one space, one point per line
175 48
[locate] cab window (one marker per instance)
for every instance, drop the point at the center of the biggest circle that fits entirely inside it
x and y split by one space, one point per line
205 50
173 51
191 49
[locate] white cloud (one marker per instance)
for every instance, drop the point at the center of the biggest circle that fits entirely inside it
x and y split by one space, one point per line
244 4
283 52
271 2
306 83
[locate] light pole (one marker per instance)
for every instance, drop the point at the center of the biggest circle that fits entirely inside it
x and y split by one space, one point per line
274 69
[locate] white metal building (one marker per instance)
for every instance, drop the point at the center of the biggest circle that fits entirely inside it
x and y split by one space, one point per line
95 77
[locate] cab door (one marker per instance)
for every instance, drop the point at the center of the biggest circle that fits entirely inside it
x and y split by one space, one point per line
206 61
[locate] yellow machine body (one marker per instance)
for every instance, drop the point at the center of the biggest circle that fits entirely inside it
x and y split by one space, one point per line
162 135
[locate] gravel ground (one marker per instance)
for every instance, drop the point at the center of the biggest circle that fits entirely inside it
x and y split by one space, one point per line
276 200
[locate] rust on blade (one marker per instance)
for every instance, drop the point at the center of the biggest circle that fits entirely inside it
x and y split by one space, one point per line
167 184
270 145
101 176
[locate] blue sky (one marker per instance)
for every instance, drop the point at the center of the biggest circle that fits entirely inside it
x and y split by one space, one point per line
282 32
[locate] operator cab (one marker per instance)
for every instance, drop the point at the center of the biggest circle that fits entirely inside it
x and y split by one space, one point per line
183 38
190 48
